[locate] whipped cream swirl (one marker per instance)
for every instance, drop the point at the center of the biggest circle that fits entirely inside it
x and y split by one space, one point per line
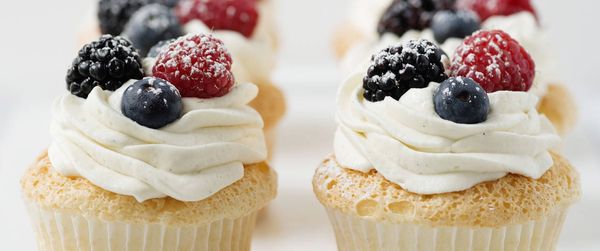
410 145
191 159
522 26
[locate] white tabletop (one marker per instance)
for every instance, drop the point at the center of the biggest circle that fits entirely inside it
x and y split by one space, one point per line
38 43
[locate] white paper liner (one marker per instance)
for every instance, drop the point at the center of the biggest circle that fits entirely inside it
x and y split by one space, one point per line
67 231
354 233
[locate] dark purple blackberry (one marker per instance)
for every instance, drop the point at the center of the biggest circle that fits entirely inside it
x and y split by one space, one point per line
399 68
108 62
404 15
114 14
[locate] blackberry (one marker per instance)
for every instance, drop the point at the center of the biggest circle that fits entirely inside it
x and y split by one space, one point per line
108 62
399 68
114 14
404 15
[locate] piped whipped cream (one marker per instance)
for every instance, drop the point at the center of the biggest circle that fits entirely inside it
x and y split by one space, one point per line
522 26
190 160
410 145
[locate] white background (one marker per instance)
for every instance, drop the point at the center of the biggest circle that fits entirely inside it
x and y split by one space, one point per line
38 42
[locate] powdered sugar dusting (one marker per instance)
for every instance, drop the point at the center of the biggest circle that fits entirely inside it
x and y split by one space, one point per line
199 65
494 60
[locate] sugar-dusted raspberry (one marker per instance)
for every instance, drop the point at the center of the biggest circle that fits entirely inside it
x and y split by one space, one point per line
488 8
494 60
235 15
198 65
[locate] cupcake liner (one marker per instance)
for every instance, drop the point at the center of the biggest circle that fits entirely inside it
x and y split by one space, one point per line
70 231
354 233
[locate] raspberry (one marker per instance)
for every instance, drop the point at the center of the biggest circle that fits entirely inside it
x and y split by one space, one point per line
235 15
198 65
397 69
404 15
108 62
488 8
494 60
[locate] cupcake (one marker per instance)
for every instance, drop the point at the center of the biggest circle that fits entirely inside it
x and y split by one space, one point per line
249 33
447 23
424 160
169 161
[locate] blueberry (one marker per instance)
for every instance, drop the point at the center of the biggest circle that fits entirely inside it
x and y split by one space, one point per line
151 24
461 100
152 102
159 47
456 24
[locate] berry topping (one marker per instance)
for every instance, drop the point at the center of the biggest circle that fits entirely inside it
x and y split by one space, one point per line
108 62
152 102
454 24
494 60
235 15
199 65
461 100
114 14
397 69
404 15
159 47
488 8
150 25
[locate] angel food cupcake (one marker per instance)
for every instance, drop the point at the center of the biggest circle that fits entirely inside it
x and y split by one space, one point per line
447 23
159 162
245 26
429 161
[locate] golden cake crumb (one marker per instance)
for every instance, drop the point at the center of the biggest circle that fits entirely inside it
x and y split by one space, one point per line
510 200
42 185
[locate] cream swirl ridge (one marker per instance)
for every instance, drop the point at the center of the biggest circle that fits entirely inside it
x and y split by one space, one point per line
191 159
410 145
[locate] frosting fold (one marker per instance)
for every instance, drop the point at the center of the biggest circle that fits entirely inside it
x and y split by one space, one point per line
189 160
410 145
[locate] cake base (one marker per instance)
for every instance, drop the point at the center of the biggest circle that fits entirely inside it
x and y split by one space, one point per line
70 213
